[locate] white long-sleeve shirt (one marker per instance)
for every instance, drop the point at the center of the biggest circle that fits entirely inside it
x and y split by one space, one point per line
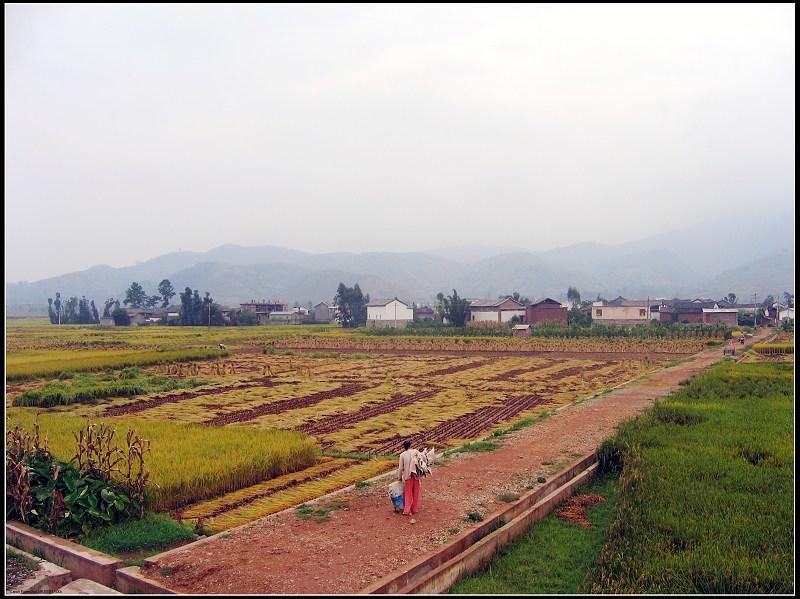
406 466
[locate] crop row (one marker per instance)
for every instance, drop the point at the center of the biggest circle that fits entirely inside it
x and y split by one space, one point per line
458 368
230 501
579 370
465 427
589 345
774 348
146 404
285 405
299 493
338 421
511 374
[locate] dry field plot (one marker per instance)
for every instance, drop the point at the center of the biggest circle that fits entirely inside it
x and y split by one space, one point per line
367 404
371 404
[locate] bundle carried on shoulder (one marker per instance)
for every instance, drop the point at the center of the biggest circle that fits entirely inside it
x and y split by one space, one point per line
423 461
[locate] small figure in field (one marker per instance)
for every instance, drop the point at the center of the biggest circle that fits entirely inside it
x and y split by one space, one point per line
413 465
222 346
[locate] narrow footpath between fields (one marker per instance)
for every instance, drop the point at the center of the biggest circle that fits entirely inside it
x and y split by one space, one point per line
366 540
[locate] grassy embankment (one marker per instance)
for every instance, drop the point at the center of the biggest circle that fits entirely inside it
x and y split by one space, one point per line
33 364
150 535
88 388
703 503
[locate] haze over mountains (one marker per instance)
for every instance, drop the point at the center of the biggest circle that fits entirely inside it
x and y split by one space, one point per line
739 255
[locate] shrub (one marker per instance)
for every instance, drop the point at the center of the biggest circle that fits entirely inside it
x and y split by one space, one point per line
66 499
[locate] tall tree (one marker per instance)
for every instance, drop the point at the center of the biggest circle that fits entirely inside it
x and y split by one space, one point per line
58 307
439 305
208 302
187 317
70 311
120 316
455 309
731 298
84 312
351 305
95 314
51 312
197 308
342 302
152 301
574 296
135 295
788 298
360 302
109 303
166 291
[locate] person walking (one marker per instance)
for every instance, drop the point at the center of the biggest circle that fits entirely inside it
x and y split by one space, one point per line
407 473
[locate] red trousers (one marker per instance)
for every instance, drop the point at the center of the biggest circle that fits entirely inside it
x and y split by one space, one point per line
411 497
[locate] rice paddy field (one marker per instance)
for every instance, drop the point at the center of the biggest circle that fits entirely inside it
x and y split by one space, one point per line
286 414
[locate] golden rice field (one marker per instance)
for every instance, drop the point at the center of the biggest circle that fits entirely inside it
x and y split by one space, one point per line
247 443
188 462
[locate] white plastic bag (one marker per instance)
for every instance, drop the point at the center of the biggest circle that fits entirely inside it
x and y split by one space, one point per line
396 489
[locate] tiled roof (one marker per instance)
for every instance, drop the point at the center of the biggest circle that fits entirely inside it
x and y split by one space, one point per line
383 302
493 303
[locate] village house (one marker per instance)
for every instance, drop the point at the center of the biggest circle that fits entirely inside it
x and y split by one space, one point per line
622 311
144 316
689 311
424 313
287 317
785 312
264 308
389 313
547 310
495 310
717 314
324 312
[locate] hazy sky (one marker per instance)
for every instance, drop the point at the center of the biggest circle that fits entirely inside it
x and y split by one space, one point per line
133 131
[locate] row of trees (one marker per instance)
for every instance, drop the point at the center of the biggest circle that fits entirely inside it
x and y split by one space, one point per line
137 297
199 311
72 311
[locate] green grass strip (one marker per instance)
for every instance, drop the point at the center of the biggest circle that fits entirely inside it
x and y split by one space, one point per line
706 489
552 557
153 532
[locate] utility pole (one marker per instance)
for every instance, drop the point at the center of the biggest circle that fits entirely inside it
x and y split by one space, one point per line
755 309
209 315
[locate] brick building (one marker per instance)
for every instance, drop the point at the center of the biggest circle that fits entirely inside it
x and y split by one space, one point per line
547 310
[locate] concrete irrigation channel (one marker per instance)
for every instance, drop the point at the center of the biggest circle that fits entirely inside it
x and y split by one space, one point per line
476 548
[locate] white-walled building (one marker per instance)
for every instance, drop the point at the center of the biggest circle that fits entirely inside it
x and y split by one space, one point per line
622 311
389 313
502 309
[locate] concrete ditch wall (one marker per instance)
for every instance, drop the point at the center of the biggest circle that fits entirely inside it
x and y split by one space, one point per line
538 501
79 562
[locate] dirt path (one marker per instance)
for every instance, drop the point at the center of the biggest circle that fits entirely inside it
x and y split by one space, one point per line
366 541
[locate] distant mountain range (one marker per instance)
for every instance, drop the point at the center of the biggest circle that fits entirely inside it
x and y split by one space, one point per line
705 260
